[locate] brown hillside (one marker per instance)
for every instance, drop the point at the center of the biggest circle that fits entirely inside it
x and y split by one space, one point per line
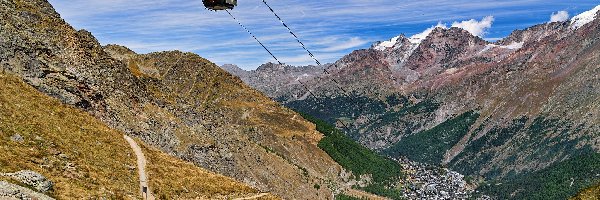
177 102
86 159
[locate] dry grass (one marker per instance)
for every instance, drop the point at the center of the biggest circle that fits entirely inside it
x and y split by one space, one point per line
84 158
175 179
87 160
592 193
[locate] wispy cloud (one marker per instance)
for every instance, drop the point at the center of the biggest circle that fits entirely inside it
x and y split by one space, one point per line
353 42
559 16
330 28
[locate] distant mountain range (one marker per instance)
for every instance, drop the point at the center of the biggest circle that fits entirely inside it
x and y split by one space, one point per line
500 112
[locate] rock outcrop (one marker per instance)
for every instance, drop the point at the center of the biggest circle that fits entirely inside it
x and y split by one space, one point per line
10 191
32 179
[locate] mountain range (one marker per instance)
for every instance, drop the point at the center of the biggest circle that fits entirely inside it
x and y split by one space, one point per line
504 113
440 115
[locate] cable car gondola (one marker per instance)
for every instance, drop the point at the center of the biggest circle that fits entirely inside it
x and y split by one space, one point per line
219 4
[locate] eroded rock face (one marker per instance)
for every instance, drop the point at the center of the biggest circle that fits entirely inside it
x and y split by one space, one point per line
33 179
178 102
444 49
10 191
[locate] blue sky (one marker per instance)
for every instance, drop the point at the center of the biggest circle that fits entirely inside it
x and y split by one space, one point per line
329 28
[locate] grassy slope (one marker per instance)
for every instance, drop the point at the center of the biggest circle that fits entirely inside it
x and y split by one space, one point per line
85 158
358 159
171 178
592 193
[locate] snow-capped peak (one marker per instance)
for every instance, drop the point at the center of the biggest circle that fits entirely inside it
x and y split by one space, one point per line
418 38
415 39
387 44
584 18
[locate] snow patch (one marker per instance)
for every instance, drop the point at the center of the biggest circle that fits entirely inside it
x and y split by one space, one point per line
387 44
513 46
451 70
584 18
415 39
487 47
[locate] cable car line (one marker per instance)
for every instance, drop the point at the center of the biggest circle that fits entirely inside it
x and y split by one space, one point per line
261 44
291 32
303 46
337 84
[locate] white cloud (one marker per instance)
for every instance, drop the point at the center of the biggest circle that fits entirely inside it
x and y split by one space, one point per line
323 26
477 28
559 16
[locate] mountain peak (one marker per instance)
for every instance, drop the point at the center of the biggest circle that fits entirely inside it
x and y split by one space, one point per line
383 45
231 67
270 67
403 40
418 38
441 34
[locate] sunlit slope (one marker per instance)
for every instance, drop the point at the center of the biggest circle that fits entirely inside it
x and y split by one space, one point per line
86 159
179 103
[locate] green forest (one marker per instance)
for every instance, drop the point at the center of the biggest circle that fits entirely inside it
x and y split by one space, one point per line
559 181
430 146
360 160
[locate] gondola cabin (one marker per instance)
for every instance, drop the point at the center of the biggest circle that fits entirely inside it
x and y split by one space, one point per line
219 4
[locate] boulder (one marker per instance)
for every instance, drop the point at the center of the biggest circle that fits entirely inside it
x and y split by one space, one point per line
10 191
16 138
33 179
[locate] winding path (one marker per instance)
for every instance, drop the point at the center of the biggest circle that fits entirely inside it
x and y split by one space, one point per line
141 165
253 197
